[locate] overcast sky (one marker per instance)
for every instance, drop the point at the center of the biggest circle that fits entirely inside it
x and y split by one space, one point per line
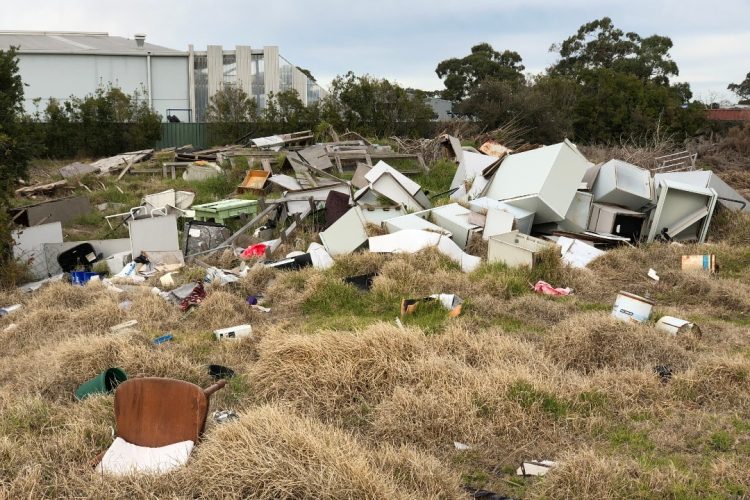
404 40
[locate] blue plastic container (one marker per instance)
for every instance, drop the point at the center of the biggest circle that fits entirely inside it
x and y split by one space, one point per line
81 277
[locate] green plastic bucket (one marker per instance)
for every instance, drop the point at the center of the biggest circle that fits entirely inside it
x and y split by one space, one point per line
105 382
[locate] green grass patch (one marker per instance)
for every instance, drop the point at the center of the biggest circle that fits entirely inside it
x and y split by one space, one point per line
635 442
721 441
30 417
338 305
209 190
529 397
438 179
592 306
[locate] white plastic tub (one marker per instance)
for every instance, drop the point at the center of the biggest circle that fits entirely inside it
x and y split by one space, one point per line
631 307
234 332
674 326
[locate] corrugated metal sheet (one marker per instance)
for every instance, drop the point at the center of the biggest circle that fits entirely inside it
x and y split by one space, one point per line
182 134
737 115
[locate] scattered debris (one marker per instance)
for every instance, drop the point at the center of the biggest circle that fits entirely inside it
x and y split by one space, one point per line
676 326
664 372
361 281
42 188
546 289
461 446
700 262
219 372
195 296
4 311
224 416
107 381
164 338
577 253
234 332
652 274
535 468
123 327
414 240
448 301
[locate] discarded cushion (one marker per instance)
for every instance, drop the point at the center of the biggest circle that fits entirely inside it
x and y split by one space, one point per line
124 458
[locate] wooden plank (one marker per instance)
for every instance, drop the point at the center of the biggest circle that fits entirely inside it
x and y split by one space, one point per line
125 170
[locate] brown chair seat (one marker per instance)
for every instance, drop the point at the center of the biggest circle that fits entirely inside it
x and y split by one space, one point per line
156 412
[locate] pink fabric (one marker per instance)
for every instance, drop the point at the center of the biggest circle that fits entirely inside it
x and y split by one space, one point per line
257 250
546 289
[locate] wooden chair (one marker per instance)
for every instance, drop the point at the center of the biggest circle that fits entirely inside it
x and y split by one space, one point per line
155 412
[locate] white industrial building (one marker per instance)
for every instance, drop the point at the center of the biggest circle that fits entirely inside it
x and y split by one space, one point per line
178 83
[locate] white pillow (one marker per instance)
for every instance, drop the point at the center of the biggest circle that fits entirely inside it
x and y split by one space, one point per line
125 458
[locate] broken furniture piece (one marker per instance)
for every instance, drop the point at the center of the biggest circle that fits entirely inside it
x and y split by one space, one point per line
159 421
727 196
389 183
516 249
60 210
543 180
416 220
201 236
624 184
221 211
346 234
524 219
415 240
610 219
455 218
683 212
153 234
254 182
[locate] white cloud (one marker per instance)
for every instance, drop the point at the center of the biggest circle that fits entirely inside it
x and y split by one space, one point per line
405 40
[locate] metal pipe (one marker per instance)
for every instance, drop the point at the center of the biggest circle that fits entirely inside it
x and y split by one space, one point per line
148 83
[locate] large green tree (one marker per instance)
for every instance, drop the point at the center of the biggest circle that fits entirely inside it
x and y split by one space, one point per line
374 106
229 111
14 155
742 89
14 152
483 63
600 45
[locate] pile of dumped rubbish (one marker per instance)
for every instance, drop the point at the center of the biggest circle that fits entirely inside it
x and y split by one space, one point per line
518 204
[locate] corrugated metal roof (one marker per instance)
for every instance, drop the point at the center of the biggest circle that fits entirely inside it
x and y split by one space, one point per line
737 114
77 43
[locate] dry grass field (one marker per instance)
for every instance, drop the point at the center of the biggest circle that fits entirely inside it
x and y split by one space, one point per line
338 401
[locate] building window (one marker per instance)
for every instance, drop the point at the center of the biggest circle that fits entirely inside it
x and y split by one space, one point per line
286 75
230 69
200 72
257 79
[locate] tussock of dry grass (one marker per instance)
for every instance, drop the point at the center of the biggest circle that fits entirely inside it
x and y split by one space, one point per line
271 453
717 381
334 374
586 474
593 341
364 409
